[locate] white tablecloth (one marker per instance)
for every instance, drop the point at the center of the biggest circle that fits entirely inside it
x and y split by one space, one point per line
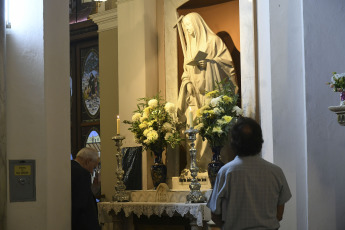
199 211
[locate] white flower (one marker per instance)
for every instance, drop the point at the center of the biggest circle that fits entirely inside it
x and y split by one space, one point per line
136 117
153 103
170 107
237 110
167 126
217 111
337 76
215 101
167 135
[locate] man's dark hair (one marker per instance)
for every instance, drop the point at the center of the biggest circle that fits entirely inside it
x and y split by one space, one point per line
246 137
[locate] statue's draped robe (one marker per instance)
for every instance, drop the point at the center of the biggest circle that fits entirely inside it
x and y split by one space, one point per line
219 65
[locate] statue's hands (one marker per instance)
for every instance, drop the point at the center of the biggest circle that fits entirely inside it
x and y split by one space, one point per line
202 64
190 89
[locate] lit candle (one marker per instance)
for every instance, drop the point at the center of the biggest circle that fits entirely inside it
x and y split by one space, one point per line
118 125
190 118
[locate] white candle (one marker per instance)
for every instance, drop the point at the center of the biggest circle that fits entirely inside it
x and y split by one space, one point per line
190 118
118 125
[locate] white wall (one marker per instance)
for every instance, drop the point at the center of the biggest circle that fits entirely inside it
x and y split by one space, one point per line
38 123
299 45
3 167
324 43
138 70
282 100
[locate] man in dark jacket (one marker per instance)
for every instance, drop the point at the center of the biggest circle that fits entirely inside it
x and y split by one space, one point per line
84 207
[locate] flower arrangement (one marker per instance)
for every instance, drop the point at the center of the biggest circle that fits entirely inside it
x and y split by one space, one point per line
217 117
154 124
337 82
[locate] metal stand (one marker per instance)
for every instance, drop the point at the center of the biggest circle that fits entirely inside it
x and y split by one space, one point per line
120 194
195 195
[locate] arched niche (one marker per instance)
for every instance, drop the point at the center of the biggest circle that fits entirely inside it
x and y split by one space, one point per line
222 17
242 35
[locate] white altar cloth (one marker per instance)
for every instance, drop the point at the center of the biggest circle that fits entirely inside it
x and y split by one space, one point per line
198 210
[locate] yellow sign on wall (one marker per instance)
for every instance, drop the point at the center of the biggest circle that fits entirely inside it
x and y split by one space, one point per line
22 170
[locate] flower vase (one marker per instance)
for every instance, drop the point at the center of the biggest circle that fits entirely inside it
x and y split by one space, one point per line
215 164
342 98
158 169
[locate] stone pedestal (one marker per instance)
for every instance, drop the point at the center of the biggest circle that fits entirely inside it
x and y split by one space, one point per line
340 111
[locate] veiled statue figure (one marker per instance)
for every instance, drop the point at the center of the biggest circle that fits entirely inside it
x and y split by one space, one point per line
206 61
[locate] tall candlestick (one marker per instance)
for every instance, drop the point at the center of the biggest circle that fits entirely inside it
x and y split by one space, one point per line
190 117
118 125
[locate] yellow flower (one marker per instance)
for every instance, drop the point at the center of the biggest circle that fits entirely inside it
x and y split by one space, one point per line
143 118
217 129
199 112
146 131
221 122
212 93
199 126
209 111
227 119
227 99
146 112
152 135
150 123
143 125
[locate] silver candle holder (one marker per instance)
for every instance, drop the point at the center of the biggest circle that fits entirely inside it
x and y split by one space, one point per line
195 195
120 194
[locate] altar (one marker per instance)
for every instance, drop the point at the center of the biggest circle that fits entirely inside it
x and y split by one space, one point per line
160 202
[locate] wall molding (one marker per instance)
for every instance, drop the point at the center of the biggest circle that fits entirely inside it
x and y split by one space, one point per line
123 1
106 20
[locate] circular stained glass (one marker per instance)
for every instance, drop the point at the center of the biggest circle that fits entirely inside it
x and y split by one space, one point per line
90 84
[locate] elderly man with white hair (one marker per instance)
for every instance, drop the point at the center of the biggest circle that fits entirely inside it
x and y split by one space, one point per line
84 206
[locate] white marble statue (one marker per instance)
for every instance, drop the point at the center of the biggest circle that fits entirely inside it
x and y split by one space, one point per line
206 61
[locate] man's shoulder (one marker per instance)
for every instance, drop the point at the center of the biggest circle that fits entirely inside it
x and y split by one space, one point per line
76 168
231 165
250 162
270 165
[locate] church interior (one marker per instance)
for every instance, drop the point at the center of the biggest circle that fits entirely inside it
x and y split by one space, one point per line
72 71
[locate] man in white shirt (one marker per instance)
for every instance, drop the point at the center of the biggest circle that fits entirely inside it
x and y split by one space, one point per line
249 192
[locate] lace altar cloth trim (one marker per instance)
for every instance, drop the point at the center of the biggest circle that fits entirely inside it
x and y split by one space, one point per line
153 208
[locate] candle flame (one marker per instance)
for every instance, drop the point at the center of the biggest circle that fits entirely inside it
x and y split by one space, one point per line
118 116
